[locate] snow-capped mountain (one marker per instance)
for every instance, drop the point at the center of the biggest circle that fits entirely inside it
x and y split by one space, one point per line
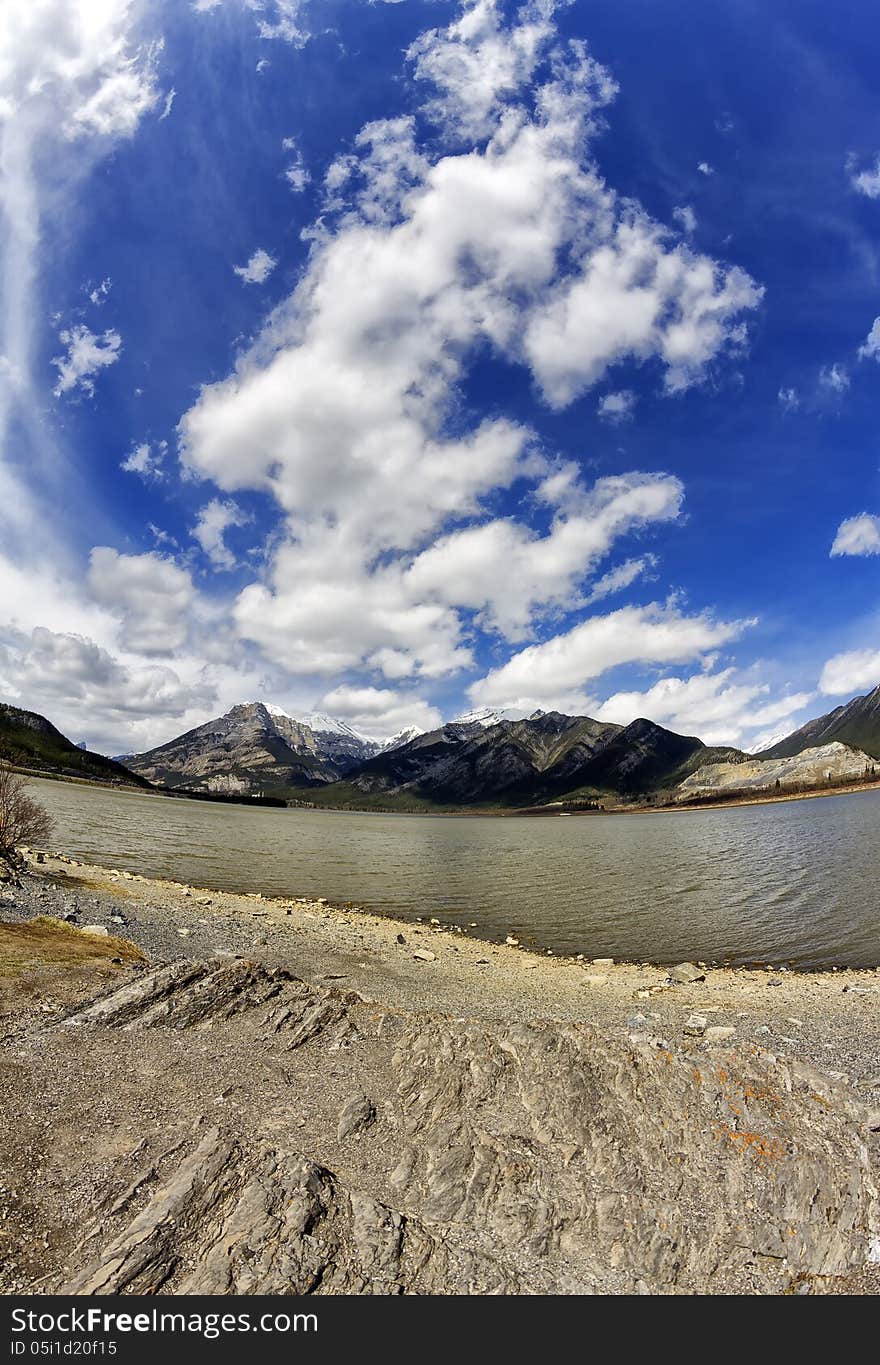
260 747
484 716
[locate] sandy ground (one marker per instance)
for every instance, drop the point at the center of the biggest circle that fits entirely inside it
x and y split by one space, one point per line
831 1018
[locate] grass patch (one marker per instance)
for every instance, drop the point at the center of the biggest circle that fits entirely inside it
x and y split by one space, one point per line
44 941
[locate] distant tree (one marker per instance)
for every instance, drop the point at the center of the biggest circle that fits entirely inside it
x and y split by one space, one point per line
22 820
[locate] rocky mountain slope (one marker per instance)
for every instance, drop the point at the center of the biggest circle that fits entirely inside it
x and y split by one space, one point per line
543 758
255 748
857 723
30 741
825 765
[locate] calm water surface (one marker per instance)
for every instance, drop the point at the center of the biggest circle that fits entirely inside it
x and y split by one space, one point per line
793 882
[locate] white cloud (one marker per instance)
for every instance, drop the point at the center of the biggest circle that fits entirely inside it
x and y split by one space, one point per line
623 576
296 174
380 712
704 168
424 257
858 536
506 573
87 354
73 81
286 21
98 295
146 459
150 594
166 108
713 706
834 378
858 670
477 64
258 268
213 521
74 679
686 218
789 399
617 407
870 348
553 674
635 296
866 182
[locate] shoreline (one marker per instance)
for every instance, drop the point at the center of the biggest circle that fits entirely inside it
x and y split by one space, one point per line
457 970
205 1061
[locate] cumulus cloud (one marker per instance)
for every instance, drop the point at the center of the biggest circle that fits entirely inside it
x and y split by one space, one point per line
858 670
617 407
858 536
380 712
84 688
477 64
789 399
714 706
504 572
498 237
258 268
149 593
704 168
213 521
553 674
87 354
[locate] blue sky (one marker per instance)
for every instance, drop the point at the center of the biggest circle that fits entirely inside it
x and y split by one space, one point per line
393 359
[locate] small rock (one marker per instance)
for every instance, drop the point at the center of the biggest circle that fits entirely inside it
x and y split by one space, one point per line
719 1033
400 938
636 1021
594 980
511 941
184 933
357 1113
603 962
695 1025
100 929
424 955
685 973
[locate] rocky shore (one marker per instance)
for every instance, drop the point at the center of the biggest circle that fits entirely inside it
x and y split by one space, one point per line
273 1094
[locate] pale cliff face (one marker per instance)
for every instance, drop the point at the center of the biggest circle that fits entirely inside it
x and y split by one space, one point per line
825 764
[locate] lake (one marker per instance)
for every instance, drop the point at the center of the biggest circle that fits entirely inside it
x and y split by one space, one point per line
792 882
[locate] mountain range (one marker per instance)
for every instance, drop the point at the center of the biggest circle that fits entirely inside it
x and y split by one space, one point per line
476 760
482 759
